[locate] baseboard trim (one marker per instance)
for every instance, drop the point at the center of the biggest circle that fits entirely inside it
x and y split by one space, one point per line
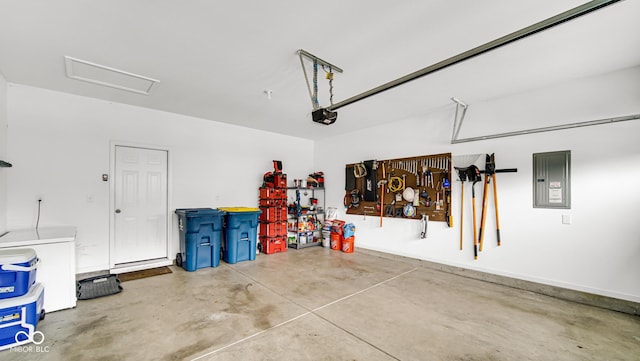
610 303
83 275
138 266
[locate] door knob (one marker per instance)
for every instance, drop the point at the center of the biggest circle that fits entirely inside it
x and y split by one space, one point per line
118 211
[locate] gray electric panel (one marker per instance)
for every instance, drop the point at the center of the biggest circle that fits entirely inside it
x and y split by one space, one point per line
552 180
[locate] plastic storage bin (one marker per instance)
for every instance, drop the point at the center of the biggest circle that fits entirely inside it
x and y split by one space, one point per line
273 229
272 245
240 234
200 238
19 317
17 271
273 214
273 193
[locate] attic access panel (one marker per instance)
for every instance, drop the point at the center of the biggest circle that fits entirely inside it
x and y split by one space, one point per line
552 180
106 76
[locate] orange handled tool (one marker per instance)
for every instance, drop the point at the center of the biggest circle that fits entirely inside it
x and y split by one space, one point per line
384 180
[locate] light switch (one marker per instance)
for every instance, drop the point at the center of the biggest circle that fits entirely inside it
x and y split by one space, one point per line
566 219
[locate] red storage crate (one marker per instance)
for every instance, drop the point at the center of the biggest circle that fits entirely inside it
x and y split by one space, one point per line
268 202
273 214
272 245
273 193
273 229
280 180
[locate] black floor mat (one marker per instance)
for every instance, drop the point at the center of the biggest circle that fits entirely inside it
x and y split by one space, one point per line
98 286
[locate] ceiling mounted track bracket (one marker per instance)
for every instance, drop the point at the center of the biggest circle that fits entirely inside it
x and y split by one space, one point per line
461 111
319 114
548 23
308 55
455 140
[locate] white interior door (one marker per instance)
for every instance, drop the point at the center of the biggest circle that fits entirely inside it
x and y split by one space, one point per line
140 204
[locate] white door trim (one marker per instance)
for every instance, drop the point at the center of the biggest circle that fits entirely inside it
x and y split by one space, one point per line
112 201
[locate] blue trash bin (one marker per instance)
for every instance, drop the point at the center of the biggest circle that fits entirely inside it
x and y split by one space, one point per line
200 238
240 234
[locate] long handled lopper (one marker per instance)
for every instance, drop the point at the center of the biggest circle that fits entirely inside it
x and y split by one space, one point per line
490 174
489 171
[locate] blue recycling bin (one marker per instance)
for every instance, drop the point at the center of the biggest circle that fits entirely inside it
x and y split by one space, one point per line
200 238
240 234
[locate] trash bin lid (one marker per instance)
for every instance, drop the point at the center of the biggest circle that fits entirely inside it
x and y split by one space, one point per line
198 212
239 209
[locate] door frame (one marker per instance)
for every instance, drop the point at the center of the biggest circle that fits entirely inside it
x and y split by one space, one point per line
135 266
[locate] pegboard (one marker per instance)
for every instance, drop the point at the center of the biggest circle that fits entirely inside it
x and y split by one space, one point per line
428 177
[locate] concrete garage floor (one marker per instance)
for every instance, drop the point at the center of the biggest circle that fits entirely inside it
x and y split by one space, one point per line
318 304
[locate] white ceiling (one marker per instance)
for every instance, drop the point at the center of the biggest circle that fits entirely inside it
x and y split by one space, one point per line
215 59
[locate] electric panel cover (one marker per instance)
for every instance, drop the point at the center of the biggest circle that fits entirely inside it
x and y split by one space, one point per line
552 180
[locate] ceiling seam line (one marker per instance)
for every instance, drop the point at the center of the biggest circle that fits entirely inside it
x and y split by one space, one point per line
548 23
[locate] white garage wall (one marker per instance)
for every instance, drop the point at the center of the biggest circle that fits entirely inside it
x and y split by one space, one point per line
59 145
597 253
3 154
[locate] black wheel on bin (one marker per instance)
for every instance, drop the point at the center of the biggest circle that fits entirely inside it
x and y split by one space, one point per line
179 259
42 313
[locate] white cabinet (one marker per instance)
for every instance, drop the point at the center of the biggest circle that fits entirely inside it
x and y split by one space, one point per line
56 249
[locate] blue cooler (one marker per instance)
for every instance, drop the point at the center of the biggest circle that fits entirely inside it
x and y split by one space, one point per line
241 234
200 238
17 271
19 317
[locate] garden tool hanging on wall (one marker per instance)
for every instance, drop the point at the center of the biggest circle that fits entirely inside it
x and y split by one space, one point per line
489 174
473 173
489 171
462 174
